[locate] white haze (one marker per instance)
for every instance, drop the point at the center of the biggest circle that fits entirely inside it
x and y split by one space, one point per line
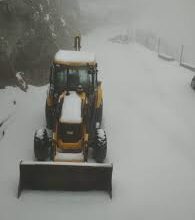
172 20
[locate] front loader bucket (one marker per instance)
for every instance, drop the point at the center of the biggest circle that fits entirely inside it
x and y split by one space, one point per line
66 176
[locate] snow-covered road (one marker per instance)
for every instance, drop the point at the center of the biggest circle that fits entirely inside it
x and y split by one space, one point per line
148 115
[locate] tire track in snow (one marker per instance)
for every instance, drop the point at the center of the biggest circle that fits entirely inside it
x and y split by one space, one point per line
5 124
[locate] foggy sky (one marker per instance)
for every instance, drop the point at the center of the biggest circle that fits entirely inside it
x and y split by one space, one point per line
169 18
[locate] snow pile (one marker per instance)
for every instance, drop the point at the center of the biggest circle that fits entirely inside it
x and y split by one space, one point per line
165 57
188 66
40 133
101 136
63 21
71 108
22 83
121 39
41 7
47 17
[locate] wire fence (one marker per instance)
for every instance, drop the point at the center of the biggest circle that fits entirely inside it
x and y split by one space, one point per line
167 50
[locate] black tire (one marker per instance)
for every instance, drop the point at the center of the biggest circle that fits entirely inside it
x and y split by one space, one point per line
99 114
42 145
85 153
100 148
49 116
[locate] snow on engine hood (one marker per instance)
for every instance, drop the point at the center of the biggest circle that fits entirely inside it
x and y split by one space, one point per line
71 109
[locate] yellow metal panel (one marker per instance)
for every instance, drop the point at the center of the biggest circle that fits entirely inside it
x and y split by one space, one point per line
99 96
69 146
86 137
49 101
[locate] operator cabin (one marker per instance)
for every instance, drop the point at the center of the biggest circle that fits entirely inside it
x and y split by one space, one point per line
74 75
71 70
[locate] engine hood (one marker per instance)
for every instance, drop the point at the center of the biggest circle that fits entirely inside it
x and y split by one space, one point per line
71 109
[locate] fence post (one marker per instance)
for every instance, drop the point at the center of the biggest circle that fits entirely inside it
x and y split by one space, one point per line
181 55
158 49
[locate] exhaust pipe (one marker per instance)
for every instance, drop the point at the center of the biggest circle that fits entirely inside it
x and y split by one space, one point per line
77 43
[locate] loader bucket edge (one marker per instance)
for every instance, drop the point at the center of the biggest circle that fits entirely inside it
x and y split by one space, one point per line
67 176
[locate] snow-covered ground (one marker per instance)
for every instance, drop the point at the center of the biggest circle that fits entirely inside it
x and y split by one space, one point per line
149 118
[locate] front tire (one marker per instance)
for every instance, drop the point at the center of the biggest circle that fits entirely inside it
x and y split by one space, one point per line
42 145
100 148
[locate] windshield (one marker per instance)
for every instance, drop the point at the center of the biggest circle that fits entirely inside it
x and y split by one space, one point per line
72 78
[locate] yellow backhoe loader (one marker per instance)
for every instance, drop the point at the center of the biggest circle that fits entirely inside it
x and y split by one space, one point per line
71 150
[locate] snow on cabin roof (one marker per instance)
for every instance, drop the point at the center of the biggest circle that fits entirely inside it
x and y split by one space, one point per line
69 57
71 109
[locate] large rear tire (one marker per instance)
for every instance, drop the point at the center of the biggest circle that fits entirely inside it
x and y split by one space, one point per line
42 145
100 148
